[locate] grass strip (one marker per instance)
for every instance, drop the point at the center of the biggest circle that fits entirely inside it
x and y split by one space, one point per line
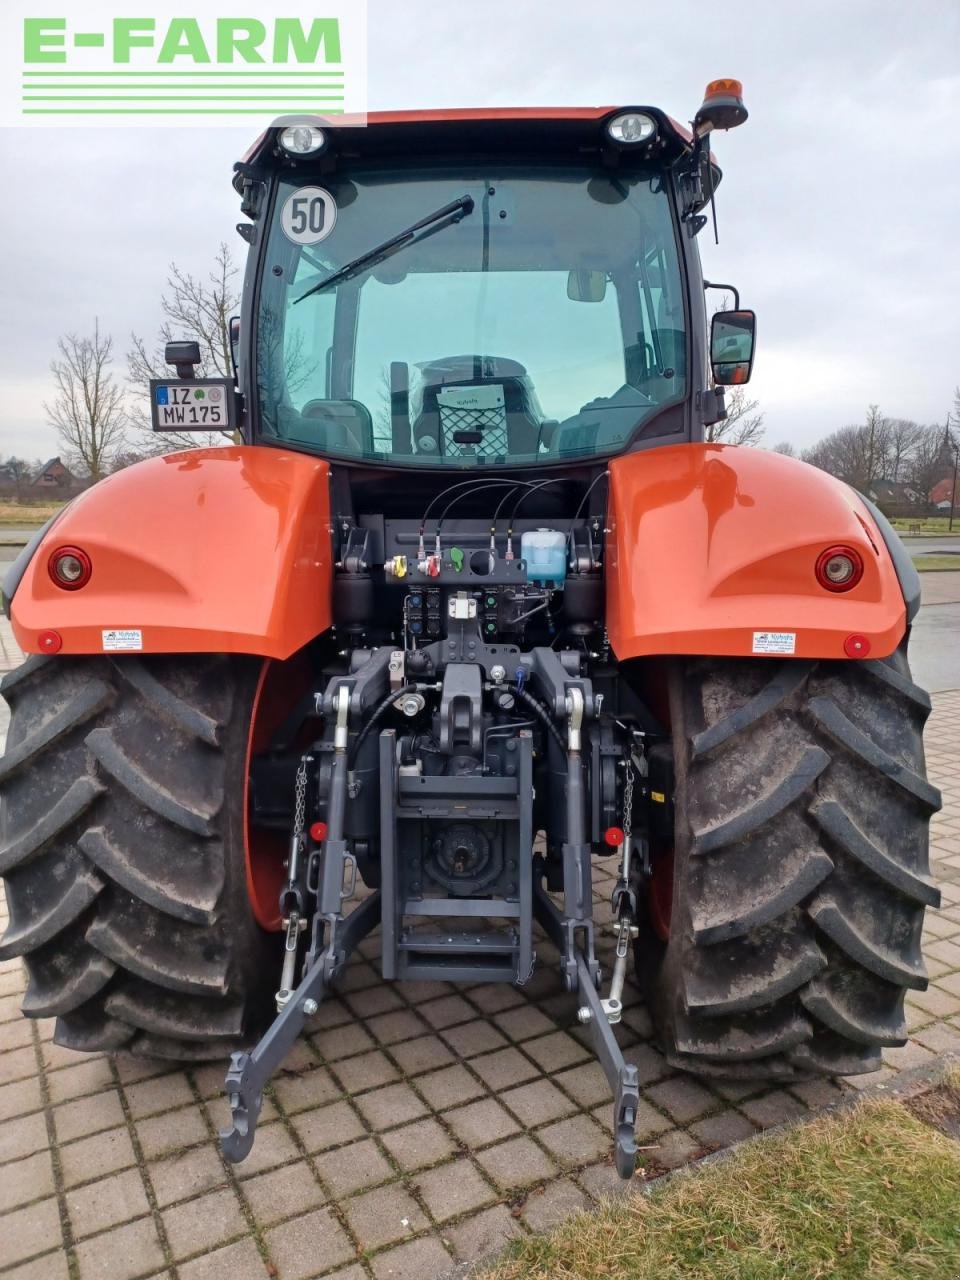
926 564
18 513
929 524
873 1192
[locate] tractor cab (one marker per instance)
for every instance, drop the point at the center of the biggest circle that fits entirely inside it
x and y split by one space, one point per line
478 290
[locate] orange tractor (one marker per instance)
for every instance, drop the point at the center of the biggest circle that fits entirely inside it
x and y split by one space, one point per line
471 605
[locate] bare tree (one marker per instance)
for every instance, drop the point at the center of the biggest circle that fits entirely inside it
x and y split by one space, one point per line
952 442
786 448
897 450
902 438
860 455
934 458
875 442
20 472
195 309
825 453
88 410
202 309
284 362
743 423
845 454
127 458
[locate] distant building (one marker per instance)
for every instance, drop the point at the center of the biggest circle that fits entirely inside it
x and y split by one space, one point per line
940 494
54 475
890 493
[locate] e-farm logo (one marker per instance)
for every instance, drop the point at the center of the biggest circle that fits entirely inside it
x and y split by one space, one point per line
129 64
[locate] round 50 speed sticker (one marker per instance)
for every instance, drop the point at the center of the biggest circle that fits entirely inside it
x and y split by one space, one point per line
308 215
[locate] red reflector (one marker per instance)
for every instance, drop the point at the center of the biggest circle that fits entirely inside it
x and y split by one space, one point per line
318 832
856 646
613 836
50 641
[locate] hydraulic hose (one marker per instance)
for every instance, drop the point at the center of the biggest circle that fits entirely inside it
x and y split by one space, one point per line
376 715
543 715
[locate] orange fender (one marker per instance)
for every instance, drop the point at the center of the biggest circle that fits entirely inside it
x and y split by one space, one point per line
213 550
710 545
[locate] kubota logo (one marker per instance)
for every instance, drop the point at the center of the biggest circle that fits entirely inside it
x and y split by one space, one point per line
125 63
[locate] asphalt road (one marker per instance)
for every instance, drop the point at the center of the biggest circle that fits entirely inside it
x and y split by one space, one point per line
933 546
9 534
935 641
935 647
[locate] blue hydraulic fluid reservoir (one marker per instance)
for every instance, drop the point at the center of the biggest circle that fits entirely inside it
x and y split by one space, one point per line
545 553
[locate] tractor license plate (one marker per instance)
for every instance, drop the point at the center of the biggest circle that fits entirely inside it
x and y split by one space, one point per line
202 404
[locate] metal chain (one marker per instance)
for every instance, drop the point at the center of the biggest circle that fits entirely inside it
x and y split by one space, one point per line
522 979
290 899
621 901
628 801
300 799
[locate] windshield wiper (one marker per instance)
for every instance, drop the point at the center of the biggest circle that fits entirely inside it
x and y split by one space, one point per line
456 210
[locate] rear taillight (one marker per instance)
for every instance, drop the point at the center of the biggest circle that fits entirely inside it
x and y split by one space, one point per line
70 568
839 568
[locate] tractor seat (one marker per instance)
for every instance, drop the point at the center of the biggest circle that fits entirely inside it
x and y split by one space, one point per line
344 426
466 395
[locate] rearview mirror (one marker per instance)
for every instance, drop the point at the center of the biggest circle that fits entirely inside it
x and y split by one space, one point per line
587 286
732 335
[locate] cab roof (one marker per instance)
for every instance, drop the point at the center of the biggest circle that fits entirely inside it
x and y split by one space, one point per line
540 131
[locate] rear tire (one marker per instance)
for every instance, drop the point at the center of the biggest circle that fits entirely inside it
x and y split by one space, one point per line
122 851
801 867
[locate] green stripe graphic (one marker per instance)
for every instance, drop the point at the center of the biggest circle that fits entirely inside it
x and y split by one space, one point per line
182 97
151 111
81 91
184 73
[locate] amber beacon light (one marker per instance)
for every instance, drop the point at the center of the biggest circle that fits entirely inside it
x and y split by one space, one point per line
722 107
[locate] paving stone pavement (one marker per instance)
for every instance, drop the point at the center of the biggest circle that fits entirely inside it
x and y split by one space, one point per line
414 1128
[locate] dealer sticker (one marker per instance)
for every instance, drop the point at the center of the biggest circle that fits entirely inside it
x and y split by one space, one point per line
121 640
774 642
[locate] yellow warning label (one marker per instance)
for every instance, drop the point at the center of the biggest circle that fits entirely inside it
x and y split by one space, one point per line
658 796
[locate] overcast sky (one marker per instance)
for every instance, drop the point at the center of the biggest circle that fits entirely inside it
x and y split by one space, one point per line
838 209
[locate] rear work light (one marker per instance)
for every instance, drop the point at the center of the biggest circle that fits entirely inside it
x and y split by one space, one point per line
302 139
70 568
839 568
632 127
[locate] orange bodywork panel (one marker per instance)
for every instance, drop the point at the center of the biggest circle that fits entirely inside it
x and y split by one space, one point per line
222 550
710 548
